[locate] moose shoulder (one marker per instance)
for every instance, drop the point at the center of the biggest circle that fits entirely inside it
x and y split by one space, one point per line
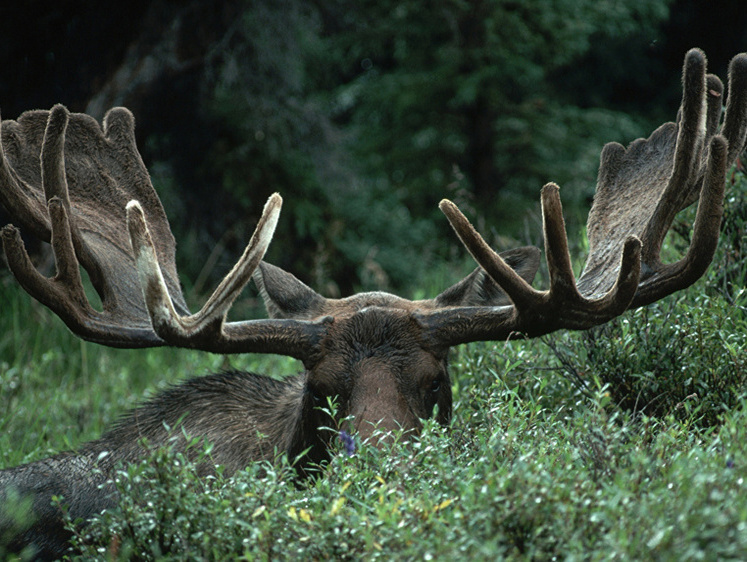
83 187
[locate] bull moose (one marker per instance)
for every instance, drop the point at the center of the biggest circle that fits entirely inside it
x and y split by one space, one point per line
84 188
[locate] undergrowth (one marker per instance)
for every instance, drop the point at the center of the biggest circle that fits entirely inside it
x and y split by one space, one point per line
534 483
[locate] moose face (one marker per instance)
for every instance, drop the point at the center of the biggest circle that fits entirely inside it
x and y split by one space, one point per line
375 363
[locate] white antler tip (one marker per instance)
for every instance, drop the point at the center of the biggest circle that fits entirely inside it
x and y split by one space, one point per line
133 204
274 203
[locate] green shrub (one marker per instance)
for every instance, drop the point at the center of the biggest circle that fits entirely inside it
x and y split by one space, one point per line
530 484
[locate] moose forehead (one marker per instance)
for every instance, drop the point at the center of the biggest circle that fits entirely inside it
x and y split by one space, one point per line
374 330
388 337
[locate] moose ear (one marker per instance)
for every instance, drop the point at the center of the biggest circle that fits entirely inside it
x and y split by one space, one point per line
285 296
478 289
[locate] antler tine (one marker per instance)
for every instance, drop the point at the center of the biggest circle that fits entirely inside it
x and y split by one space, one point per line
666 279
596 308
232 284
207 324
520 292
66 285
52 156
735 120
690 136
562 280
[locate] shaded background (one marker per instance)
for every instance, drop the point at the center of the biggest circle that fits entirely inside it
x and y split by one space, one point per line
363 115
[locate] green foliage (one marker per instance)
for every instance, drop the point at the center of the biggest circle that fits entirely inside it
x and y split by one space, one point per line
677 359
475 87
536 483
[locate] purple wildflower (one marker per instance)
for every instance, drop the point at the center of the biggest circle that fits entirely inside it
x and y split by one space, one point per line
348 442
730 463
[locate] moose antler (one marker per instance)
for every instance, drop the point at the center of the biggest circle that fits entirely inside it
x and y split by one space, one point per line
639 192
84 222
108 188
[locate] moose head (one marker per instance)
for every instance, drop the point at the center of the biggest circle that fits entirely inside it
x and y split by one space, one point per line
84 188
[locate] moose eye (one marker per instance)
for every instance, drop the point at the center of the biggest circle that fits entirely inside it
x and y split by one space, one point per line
436 385
317 396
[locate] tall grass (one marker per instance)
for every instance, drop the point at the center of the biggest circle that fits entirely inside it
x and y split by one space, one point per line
626 442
